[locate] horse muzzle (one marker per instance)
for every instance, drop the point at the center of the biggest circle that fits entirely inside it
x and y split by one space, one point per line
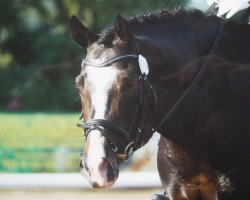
102 173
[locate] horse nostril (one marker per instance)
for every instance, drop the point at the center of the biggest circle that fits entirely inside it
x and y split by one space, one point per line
106 167
95 185
110 173
103 165
81 166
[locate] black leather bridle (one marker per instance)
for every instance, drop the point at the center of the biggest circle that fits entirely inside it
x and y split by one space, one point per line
138 119
132 135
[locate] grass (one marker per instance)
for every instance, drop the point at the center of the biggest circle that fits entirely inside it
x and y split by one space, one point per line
39 142
39 130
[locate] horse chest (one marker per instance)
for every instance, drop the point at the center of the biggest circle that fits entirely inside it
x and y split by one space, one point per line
185 178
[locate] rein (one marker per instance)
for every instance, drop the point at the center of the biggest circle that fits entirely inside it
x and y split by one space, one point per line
200 74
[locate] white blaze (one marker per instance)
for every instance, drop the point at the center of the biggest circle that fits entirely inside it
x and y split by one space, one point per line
95 154
100 81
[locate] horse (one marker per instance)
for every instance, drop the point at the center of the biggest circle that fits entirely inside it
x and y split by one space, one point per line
178 72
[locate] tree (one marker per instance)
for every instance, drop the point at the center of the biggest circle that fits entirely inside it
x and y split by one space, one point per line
38 58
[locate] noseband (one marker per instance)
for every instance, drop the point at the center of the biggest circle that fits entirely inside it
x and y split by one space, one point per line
136 126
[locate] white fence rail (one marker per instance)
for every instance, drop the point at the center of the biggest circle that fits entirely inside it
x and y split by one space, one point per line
75 181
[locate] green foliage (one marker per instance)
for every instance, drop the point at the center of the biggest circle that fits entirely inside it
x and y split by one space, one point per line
39 130
39 142
35 159
39 60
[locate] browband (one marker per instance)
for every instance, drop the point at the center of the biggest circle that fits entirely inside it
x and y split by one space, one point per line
110 62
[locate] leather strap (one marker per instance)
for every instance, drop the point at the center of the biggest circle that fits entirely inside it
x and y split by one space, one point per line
108 125
110 62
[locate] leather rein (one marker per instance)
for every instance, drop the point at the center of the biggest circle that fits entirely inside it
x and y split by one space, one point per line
144 92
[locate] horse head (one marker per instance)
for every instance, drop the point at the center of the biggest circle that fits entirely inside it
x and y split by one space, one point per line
117 99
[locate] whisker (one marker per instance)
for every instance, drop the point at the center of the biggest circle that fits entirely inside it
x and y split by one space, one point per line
76 99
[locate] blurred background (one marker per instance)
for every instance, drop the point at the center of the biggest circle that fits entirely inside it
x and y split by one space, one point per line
39 106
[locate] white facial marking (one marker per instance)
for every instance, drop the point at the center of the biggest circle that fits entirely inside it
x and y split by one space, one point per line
183 192
96 147
100 81
96 153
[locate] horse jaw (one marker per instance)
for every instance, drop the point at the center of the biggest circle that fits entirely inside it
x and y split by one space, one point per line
98 163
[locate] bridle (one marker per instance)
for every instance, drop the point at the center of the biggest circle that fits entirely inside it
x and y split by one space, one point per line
136 127
144 93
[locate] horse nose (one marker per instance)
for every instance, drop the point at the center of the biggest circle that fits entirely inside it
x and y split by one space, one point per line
83 164
109 169
100 168
101 174
95 185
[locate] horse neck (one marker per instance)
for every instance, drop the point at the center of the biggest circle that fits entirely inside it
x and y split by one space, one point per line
168 50
234 46
188 47
175 43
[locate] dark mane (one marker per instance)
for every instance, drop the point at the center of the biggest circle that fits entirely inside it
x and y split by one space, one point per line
107 36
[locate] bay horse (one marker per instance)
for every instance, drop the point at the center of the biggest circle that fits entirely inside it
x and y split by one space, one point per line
136 71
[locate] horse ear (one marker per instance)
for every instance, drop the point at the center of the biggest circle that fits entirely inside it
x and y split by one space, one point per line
122 30
80 33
